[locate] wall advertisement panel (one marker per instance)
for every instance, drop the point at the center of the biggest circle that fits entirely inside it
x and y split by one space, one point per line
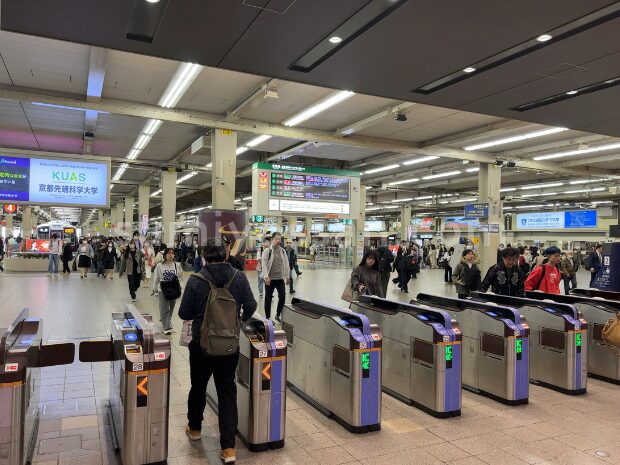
577 219
82 182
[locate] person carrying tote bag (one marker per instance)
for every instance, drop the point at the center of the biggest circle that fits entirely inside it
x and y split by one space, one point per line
167 284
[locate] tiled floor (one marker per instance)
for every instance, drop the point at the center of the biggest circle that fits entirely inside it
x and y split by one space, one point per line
552 429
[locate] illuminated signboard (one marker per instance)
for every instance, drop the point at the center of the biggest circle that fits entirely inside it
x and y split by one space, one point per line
308 206
309 187
461 224
449 355
578 219
519 348
55 181
366 365
578 342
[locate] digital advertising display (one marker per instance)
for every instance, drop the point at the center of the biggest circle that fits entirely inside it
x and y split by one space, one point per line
315 191
461 224
54 181
577 219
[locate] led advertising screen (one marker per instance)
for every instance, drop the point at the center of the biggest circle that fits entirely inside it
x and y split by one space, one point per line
54 181
578 219
461 224
309 187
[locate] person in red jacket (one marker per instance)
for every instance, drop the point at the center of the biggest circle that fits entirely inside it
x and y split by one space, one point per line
546 277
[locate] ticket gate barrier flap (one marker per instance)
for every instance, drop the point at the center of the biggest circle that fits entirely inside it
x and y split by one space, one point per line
596 293
22 354
558 352
334 362
603 358
139 385
421 354
261 386
495 349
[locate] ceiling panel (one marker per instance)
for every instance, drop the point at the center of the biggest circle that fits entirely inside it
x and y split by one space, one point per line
45 64
171 140
15 131
116 134
56 129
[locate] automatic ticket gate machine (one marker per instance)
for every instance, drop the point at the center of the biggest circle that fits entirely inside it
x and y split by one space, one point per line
139 385
334 362
558 352
22 354
261 385
494 348
421 354
603 359
609 295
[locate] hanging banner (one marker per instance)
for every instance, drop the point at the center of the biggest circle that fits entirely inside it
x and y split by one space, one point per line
224 226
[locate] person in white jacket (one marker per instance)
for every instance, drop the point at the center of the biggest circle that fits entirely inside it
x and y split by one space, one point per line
168 270
276 272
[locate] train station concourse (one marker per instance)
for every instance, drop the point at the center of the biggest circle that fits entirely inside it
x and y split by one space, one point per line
309 232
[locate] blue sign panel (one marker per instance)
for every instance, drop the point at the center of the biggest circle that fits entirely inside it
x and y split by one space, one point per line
580 219
477 210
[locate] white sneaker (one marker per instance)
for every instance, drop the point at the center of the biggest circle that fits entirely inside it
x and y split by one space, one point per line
168 332
133 300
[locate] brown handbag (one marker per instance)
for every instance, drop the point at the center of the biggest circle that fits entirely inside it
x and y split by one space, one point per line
611 331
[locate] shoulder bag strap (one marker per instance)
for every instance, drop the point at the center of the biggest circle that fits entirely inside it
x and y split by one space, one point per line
227 285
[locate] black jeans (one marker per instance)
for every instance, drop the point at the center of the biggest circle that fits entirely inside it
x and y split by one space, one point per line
65 266
447 274
405 276
223 369
134 283
592 276
296 266
385 280
290 282
281 287
570 282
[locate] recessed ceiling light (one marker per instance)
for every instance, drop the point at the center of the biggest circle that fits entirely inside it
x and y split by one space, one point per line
572 92
153 1
469 69
335 39
544 37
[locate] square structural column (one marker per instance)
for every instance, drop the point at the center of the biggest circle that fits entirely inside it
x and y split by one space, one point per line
224 168
489 183
129 215
144 191
405 221
357 230
292 227
26 222
168 205
120 217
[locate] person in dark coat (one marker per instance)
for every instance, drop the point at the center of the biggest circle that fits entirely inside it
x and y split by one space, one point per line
396 265
594 263
385 257
67 256
505 278
108 259
365 278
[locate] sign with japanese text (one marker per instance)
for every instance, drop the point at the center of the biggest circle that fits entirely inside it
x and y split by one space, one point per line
477 210
55 181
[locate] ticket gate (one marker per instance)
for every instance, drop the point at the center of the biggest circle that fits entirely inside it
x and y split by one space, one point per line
139 385
421 354
261 385
558 357
609 295
603 359
494 349
22 355
334 362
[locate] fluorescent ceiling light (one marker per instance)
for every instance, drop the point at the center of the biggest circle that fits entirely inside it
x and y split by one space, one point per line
133 154
372 209
409 199
571 153
63 107
237 201
520 137
156 193
383 168
119 172
186 177
183 78
249 197
258 140
424 197
473 170
541 186
544 37
540 195
602 202
210 165
572 92
469 69
240 150
507 208
508 189
419 160
152 126
442 175
579 191
531 206
319 107
335 39
404 181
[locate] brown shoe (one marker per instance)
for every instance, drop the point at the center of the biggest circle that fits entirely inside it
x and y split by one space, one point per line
228 455
193 434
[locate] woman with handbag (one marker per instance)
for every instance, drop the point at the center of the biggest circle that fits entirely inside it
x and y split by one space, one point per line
168 279
108 259
133 266
149 262
85 255
365 278
467 275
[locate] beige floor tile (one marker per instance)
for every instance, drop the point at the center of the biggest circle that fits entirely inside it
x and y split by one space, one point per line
401 425
500 457
86 421
446 452
314 441
407 457
487 442
332 456
422 438
524 434
548 429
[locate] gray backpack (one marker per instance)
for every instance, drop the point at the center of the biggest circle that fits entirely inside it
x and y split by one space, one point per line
219 334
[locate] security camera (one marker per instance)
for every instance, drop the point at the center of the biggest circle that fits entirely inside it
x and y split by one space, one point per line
400 117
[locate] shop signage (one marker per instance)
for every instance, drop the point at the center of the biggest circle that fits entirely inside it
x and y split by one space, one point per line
477 210
9 209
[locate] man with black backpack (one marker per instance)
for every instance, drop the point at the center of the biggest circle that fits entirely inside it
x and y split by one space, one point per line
213 299
385 266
